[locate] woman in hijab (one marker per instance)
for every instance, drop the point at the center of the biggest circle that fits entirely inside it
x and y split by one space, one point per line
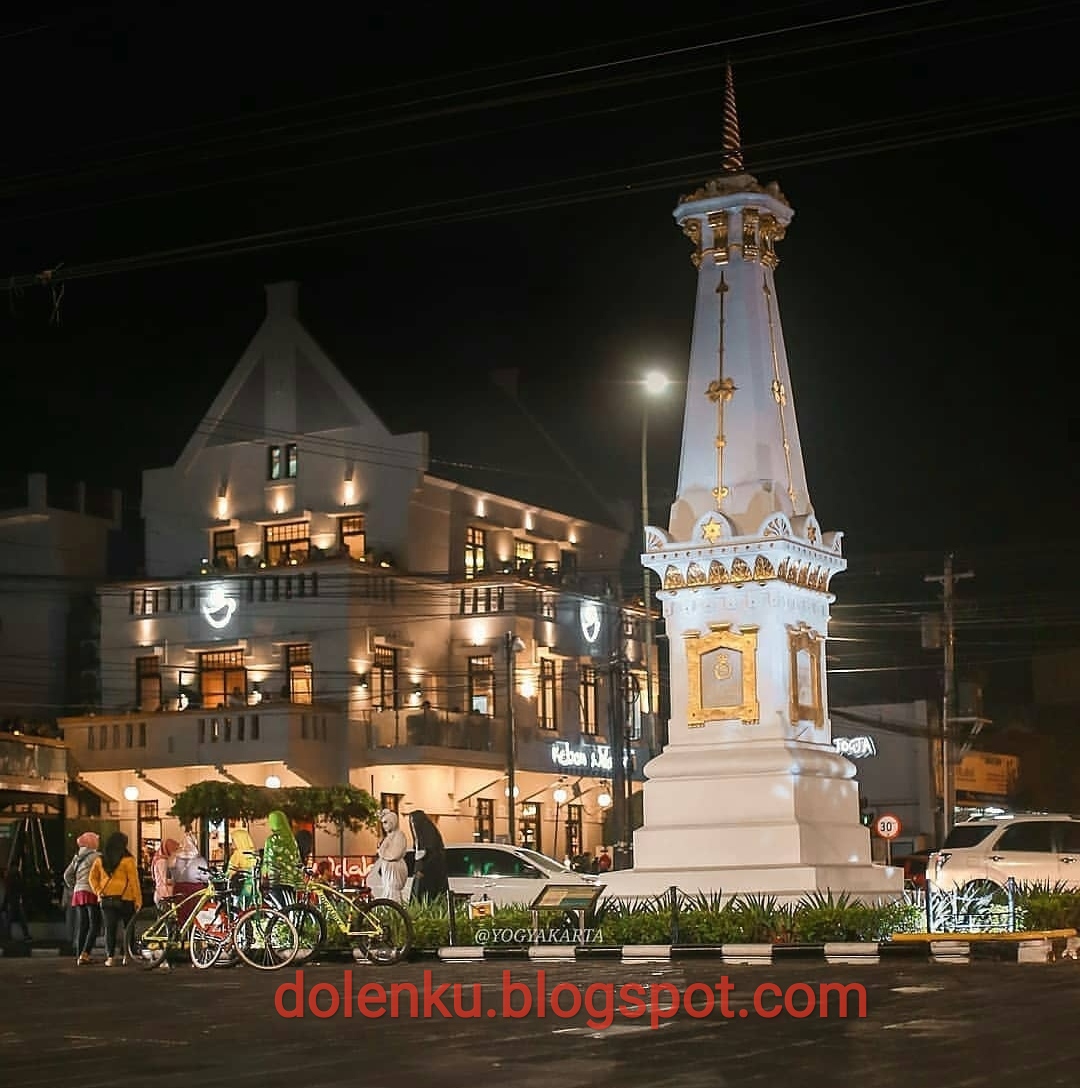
161 869
391 869
83 900
241 862
114 879
281 859
189 874
429 878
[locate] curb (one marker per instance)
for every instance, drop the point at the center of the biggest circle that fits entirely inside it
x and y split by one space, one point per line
1037 950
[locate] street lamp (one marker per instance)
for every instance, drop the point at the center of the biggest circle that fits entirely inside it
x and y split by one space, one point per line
514 646
655 383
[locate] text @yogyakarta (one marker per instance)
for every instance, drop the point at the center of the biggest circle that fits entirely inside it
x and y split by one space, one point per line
603 1001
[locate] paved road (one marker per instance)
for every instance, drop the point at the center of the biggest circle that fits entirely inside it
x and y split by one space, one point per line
977 1026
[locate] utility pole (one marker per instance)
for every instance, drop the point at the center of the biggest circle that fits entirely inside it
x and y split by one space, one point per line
652 732
948 580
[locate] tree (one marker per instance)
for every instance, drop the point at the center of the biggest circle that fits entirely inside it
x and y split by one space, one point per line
336 808
220 801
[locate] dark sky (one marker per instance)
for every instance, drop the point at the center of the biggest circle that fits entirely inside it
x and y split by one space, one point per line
476 187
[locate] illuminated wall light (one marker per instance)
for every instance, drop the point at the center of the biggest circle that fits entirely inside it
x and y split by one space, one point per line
273 782
131 793
348 493
250 550
279 504
528 688
528 522
223 508
604 800
506 792
323 540
480 508
571 537
560 796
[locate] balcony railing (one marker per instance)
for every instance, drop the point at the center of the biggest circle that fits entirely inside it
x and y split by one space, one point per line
433 729
33 766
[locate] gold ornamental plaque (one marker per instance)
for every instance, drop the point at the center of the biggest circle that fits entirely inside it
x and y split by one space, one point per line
722 672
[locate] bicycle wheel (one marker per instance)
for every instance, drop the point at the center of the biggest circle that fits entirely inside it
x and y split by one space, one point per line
265 939
206 948
310 927
147 938
383 931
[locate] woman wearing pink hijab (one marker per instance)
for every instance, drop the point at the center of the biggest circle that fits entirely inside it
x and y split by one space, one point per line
161 870
83 900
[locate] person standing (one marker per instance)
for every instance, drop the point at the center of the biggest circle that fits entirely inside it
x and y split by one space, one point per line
161 869
83 900
429 878
114 879
391 868
282 866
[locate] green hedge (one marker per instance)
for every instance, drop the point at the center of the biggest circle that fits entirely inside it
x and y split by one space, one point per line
700 920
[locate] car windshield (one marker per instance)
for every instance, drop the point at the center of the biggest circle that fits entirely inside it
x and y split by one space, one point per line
968 835
541 861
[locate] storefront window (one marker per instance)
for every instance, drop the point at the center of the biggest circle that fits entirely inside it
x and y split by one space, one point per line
574 836
223 679
529 826
484 829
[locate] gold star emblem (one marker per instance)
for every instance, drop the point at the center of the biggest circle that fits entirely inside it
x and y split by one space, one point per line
711 531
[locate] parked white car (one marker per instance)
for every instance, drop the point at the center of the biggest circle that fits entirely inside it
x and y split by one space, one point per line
1038 848
506 874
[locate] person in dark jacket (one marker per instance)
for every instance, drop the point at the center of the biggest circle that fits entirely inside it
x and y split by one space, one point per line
429 877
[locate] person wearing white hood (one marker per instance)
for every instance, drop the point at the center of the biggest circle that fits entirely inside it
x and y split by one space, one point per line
391 870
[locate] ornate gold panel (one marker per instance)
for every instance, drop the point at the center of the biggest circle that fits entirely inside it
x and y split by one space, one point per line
763 569
718 221
717 573
673 578
695 576
740 572
692 229
722 673
771 233
805 646
782 573
751 218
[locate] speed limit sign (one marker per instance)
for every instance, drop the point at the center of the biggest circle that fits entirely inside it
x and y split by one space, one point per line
887 826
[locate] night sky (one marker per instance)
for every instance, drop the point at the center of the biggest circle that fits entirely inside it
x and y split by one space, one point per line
474 188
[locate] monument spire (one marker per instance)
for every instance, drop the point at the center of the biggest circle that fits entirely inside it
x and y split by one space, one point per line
732 162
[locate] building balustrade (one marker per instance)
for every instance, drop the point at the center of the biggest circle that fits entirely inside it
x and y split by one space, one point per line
433 729
33 765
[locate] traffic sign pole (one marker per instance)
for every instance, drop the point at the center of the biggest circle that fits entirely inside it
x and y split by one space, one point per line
888 828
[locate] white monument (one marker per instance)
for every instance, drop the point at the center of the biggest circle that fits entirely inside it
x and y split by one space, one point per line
749 795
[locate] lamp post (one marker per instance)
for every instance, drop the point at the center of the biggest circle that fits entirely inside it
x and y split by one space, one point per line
514 646
655 383
560 797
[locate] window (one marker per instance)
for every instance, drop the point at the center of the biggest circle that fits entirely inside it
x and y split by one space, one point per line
144 602
287 543
352 536
568 563
529 825
479 861
475 551
484 826
1070 837
298 667
573 830
390 802
148 683
549 712
482 684
524 555
547 608
1037 836
384 668
226 556
966 836
223 679
283 462
142 734
588 699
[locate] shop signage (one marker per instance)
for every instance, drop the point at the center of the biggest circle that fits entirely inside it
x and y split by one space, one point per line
217 609
855 747
356 868
583 757
591 621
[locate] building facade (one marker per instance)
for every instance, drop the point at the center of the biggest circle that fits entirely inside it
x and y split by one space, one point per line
319 608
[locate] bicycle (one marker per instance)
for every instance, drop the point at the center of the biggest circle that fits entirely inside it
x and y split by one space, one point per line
380 928
216 926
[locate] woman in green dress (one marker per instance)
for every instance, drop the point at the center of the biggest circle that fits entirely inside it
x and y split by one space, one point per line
282 866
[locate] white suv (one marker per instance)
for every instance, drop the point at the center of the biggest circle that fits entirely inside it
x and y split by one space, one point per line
1038 848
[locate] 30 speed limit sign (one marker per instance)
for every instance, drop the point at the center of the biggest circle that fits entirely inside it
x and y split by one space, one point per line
887 826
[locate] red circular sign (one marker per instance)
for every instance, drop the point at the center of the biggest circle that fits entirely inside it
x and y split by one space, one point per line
887 826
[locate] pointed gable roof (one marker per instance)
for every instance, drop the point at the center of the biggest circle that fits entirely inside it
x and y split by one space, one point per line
283 385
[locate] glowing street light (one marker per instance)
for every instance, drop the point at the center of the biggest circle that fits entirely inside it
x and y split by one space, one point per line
131 793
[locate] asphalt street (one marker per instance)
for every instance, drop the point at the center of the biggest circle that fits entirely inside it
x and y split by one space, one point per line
951 1026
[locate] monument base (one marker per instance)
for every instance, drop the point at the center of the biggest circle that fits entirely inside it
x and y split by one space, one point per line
785 883
769 815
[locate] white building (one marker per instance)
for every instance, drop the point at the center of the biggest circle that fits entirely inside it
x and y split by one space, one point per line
318 608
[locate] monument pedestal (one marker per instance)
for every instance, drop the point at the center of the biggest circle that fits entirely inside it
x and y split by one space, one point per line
773 816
